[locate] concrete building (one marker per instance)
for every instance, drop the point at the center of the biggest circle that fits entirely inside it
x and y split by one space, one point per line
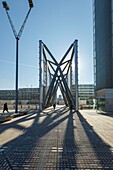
85 93
23 93
103 53
28 93
7 94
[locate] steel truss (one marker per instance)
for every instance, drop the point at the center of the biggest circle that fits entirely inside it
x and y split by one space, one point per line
53 74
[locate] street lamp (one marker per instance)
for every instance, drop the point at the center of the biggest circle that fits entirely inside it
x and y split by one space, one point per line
17 37
30 3
5 5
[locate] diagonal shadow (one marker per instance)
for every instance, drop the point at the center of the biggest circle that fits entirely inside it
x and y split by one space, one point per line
67 158
102 150
83 148
18 150
32 148
15 124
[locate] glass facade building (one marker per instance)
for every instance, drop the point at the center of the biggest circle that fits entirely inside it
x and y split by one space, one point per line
85 92
103 52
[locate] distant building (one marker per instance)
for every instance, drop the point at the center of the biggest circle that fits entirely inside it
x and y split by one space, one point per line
85 92
7 94
23 94
28 93
60 100
60 96
103 53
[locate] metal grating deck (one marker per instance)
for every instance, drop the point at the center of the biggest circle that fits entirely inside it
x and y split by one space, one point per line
63 140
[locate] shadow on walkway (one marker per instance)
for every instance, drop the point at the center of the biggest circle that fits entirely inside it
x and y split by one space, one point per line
103 152
25 150
77 145
67 157
82 146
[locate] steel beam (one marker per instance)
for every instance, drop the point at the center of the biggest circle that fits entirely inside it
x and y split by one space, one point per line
59 80
50 87
76 73
52 92
40 76
63 93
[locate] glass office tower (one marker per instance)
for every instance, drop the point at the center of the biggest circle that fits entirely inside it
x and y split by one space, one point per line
103 53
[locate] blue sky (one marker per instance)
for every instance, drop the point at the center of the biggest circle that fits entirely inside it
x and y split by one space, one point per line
57 24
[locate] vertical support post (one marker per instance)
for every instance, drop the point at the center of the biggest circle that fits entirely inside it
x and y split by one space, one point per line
71 76
76 73
16 97
40 75
46 76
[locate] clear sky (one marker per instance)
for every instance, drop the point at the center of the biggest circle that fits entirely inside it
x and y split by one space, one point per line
57 23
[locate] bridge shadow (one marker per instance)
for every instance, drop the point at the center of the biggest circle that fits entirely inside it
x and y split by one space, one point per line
16 152
67 157
17 120
102 150
83 148
15 124
28 149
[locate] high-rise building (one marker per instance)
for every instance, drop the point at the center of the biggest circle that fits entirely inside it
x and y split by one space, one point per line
103 53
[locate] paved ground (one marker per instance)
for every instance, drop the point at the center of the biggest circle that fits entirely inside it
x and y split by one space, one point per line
57 139
101 123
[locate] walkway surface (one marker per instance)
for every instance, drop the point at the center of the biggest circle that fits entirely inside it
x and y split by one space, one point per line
57 139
